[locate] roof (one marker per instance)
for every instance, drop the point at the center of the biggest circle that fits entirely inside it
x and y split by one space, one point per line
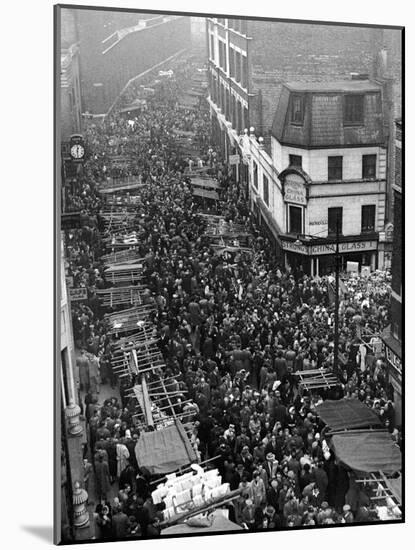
322 123
165 450
368 451
346 414
335 86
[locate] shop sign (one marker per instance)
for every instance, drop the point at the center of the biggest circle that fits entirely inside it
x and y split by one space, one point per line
344 248
323 249
294 189
233 160
318 222
394 360
77 294
293 247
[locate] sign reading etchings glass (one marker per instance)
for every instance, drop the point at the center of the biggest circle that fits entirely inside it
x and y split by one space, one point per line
294 189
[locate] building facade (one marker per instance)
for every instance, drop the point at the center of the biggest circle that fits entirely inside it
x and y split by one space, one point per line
329 151
393 335
70 93
74 518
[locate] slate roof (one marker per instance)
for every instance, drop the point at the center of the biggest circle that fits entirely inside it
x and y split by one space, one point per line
323 124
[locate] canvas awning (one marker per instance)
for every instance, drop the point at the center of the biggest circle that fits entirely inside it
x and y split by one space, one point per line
209 183
164 451
346 414
205 193
368 451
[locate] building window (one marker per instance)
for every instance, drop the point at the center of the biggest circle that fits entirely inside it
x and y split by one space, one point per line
296 160
233 106
295 220
232 62
237 66
368 218
212 47
353 109
266 189
368 166
246 118
335 218
255 175
244 71
335 168
297 109
240 121
227 106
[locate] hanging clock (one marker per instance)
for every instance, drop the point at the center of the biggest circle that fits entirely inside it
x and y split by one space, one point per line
77 151
77 148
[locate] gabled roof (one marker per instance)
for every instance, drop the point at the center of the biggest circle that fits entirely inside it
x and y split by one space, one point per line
323 115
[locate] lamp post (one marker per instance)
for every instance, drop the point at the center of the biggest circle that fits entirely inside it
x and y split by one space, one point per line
336 302
337 292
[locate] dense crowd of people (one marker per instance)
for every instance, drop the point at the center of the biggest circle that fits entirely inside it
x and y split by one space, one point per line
232 333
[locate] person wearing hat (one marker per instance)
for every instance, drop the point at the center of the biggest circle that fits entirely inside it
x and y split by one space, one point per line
271 465
347 516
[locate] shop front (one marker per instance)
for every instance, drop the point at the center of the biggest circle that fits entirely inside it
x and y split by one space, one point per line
393 354
320 259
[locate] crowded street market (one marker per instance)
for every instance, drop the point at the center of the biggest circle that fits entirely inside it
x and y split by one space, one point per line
214 395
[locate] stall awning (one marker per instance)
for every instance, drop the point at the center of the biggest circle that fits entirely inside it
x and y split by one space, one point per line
346 414
368 451
205 193
164 451
209 183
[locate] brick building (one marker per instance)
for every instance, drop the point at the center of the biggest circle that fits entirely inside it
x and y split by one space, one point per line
393 335
116 47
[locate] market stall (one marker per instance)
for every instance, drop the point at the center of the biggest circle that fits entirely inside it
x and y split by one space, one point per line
367 451
165 450
124 273
316 379
122 296
347 414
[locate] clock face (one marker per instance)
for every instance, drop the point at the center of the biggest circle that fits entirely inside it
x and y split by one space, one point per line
77 151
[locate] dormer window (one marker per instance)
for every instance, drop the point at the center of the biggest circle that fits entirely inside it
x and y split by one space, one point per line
297 109
353 109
